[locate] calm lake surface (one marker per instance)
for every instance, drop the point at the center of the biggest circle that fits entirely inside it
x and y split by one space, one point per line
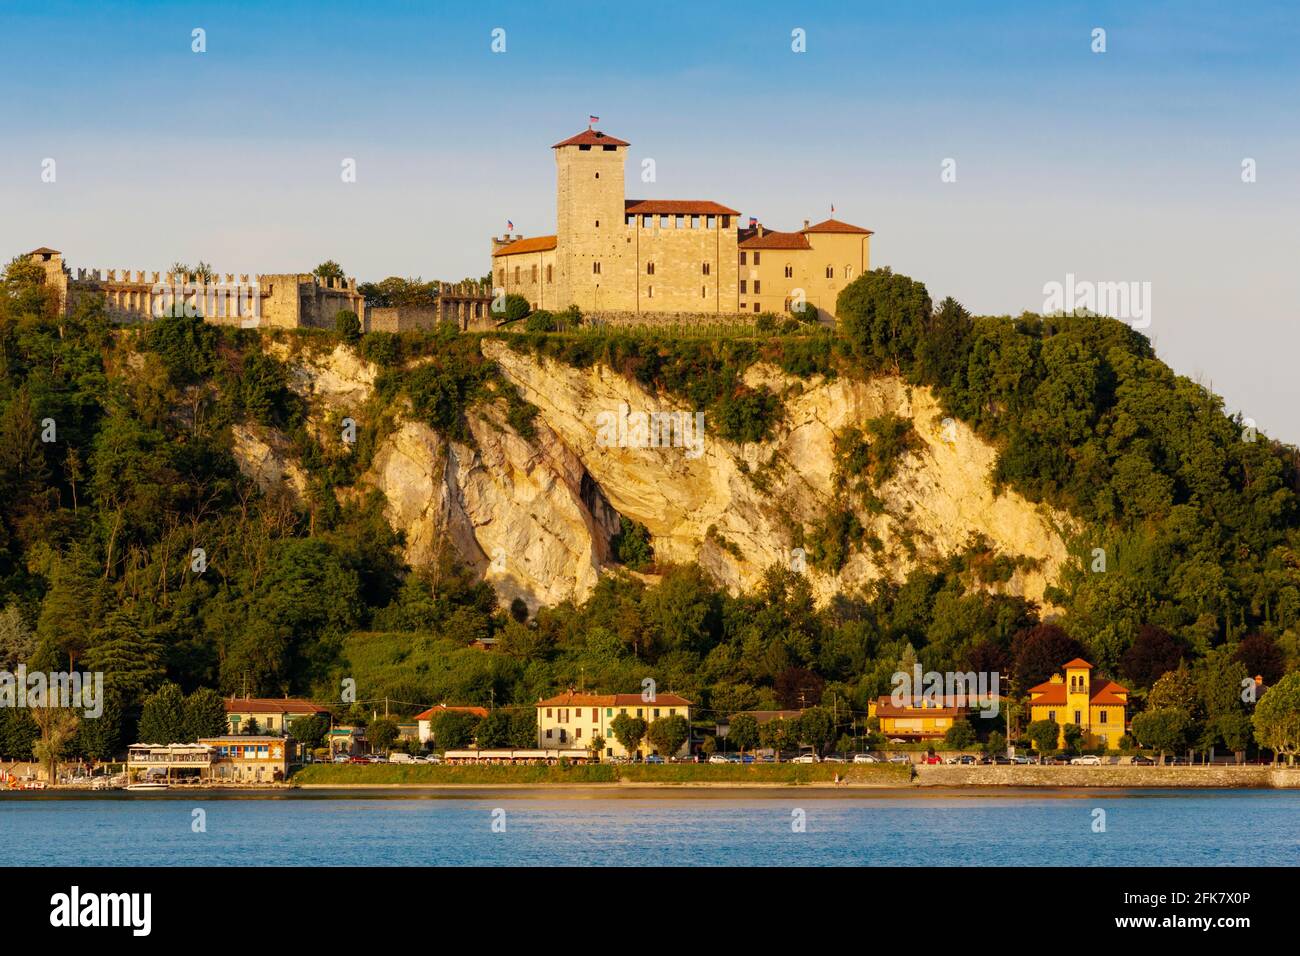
880 828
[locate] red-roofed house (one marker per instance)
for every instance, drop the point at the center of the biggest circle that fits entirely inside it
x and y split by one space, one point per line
425 718
570 720
1097 705
274 715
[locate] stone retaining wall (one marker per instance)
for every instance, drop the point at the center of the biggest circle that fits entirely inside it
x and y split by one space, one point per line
1107 776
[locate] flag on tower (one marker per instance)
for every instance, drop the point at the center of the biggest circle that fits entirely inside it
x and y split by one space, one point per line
593 120
832 209
752 222
510 226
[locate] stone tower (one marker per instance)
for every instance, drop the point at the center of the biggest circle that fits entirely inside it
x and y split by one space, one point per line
595 269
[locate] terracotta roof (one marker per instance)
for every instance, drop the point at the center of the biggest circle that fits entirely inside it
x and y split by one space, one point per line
535 244
444 709
45 250
1077 662
1047 694
591 137
272 705
834 225
677 207
889 710
1054 693
574 699
777 240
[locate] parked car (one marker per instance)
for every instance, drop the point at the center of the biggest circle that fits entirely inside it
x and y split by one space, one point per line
1176 762
965 759
833 758
865 758
358 758
342 758
1141 760
805 758
400 758
1003 759
654 758
1087 760
718 758
1021 759
900 758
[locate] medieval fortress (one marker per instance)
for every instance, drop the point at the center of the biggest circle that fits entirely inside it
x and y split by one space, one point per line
624 260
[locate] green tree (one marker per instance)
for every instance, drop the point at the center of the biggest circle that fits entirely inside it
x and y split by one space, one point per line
817 728
960 735
778 734
382 734
1277 717
743 731
1073 736
310 730
205 715
628 731
1165 729
667 734
996 745
162 720
453 729
1044 734
882 316
347 325
329 269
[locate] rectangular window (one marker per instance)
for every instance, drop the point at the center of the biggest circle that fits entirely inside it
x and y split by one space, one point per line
647 221
742 257
1051 715
649 268
550 734
1101 717
704 292
640 712
756 255
649 292
830 272
595 268
501 277
789 272
595 714
708 222
548 713
743 285
756 286
1078 718
679 222
704 268
631 220
577 733
534 275
516 275
755 306
609 711
695 222
663 222
726 222
597 223
548 274
656 713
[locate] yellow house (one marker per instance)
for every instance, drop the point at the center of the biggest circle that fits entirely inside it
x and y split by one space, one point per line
924 722
571 720
1098 706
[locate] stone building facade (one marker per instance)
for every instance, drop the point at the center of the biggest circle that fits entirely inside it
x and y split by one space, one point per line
653 256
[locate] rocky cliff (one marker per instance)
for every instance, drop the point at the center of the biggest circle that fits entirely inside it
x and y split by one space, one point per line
536 515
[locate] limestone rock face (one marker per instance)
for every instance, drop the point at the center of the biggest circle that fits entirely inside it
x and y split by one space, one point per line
535 515
263 455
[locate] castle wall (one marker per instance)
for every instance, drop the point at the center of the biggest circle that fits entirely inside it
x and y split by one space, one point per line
595 268
533 275
822 272
681 268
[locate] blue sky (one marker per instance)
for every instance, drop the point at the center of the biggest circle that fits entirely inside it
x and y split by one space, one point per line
1117 166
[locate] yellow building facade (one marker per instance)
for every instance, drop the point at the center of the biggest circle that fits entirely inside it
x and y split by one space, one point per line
689 256
1097 705
572 720
923 722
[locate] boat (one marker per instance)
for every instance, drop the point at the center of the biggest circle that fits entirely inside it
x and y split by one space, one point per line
146 786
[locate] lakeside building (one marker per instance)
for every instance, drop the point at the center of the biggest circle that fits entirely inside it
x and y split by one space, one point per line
925 721
572 720
235 759
347 740
1098 706
424 719
684 257
273 715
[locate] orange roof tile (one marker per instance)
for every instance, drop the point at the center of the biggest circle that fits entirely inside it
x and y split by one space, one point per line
1077 662
535 244
272 705
1047 694
834 225
575 699
676 207
777 240
591 137
443 709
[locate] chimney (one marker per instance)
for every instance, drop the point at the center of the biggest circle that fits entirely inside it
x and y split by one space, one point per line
805 223
760 230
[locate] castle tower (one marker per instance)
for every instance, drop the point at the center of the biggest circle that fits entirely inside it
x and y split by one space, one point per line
1078 694
56 276
595 270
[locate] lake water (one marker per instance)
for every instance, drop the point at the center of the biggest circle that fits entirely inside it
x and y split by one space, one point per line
863 828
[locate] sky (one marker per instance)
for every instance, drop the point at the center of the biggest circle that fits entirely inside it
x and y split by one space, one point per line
1117 166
